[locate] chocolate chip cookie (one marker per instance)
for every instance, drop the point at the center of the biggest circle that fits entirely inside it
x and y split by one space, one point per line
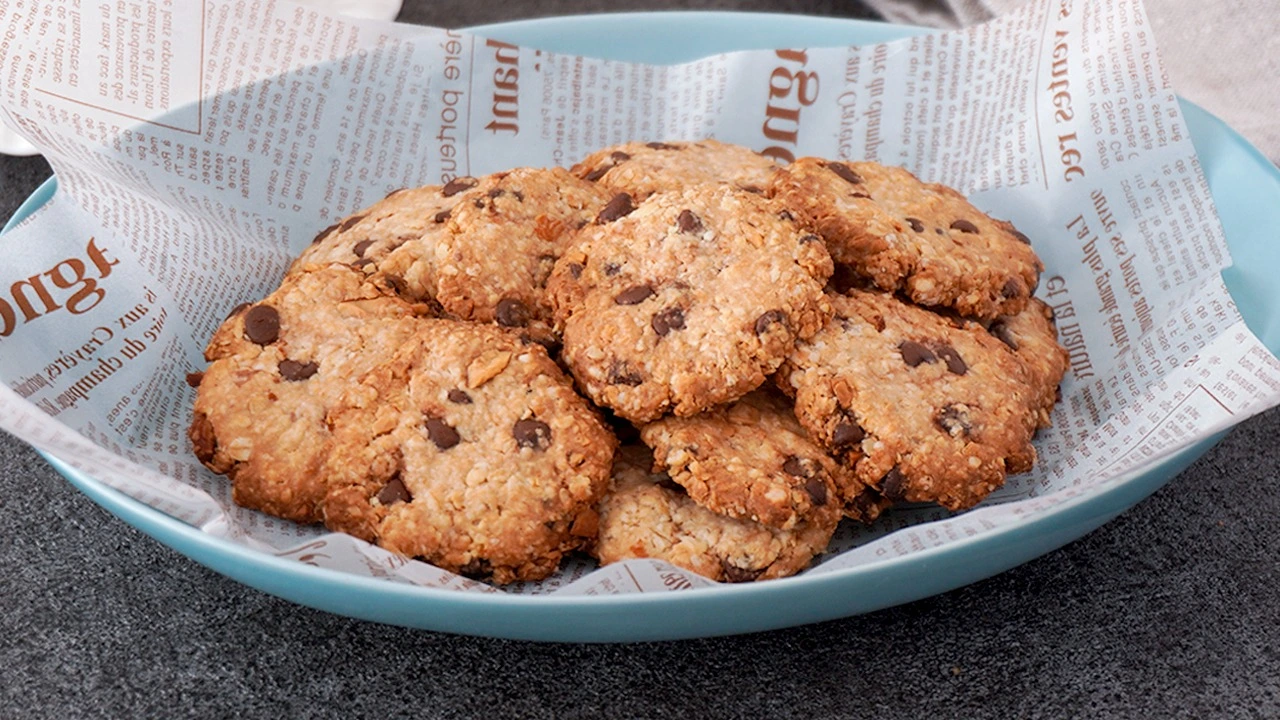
482 248
922 407
644 515
469 449
277 367
642 169
751 460
687 300
1033 337
922 239
493 263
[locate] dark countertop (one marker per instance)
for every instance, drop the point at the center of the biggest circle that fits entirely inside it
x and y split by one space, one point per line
1171 610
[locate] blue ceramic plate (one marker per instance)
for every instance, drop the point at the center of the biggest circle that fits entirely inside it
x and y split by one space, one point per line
1245 185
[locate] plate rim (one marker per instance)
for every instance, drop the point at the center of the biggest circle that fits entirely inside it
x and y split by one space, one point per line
1100 505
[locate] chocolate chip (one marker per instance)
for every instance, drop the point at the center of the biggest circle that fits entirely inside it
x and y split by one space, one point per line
810 238
459 397
518 195
844 279
634 295
194 379
237 310
735 574
394 492
496 193
203 440
954 420
1020 236
479 202
661 146
846 433
575 270
786 215
860 195
346 224
362 263
621 373
769 319
751 189
530 433
262 324
294 371
598 173
667 320
1002 333
361 247
612 269
442 216
1011 289
442 433
324 233
954 362
688 222
476 569
915 224
511 313
940 231
798 466
457 185
817 490
964 226
914 353
893 485
619 206
845 172
618 156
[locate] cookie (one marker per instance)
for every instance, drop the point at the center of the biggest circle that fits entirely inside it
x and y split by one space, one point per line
276 368
407 222
751 460
922 407
469 449
642 169
922 239
686 301
1033 337
493 263
481 248
644 515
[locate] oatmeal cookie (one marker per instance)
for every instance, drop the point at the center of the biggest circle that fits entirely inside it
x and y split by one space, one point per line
751 460
922 239
276 368
642 169
687 301
468 449
922 407
644 515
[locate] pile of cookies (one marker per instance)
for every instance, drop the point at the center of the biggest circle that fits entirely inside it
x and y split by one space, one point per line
449 373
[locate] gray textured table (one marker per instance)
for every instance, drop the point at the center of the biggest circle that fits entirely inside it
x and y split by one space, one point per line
1172 610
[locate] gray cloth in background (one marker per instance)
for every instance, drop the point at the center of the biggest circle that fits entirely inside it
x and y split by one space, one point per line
1223 55
1170 611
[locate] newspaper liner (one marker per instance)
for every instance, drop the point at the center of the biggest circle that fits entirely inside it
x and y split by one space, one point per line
199 145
